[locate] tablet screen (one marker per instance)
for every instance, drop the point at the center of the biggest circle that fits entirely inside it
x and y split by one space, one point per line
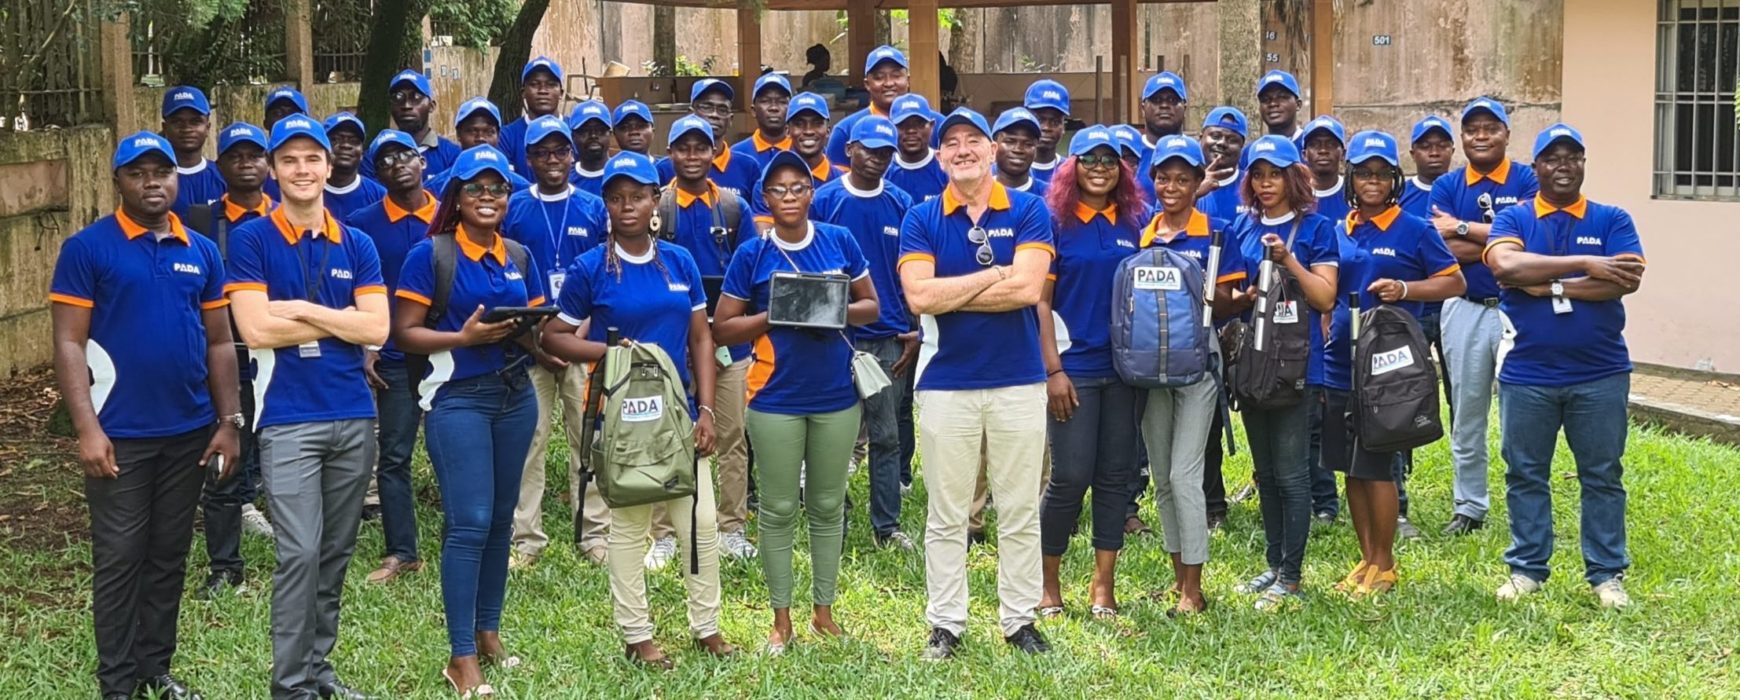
808 300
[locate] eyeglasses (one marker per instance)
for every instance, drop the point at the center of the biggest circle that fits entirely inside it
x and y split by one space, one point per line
1485 204
540 154
1098 160
721 109
1369 175
407 97
478 189
984 255
388 161
782 192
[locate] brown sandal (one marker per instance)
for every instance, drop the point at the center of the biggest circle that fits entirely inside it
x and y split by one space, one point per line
662 663
718 646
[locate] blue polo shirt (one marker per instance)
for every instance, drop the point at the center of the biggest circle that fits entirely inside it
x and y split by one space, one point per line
842 132
874 219
147 347
200 184
1589 342
484 277
1417 198
759 149
1332 203
1314 245
730 171
1393 245
797 371
1043 171
823 173
1194 244
589 181
923 180
512 141
973 349
438 151
270 256
1459 192
1091 243
394 231
555 229
237 214
648 299
1224 202
361 192
693 231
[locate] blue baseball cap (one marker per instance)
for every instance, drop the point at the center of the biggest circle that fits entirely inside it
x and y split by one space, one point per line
966 116
1278 150
807 102
297 126
882 54
771 79
240 132
1177 146
1167 80
1013 116
1556 133
475 161
1489 106
1281 78
783 159
473 106
705 85
873 132
1370 144
339 119
1130 141
689 123
630 108
912 105
1047 94
1091 138
285 92
1229 118
590 110
542 63
140 145
390 137
1323 123
633 166
546 126
416 79
185 97
1428 125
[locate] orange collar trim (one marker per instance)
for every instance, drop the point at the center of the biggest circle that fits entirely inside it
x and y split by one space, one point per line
233 211
1086 213
1196 227
330 229
425 214
133 230
685 199
1498 174
763 145
1382 221
1579 208
952 201
497 249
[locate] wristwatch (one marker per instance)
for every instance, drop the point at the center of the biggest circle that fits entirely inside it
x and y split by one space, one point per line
1461 229
239 421
1558 288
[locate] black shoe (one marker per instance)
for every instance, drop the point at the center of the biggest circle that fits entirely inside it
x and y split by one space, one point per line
1216 520
165 686
1029 640
218 581
941 645
1462 525
338 690
976 537
371 513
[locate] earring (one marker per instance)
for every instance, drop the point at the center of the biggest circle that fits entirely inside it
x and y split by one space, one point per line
655 223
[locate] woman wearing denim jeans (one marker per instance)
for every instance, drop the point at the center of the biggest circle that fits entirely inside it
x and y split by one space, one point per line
1277 190
480 406
1098 210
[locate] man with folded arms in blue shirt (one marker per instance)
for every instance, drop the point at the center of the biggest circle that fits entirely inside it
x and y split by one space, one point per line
187 125
144 359
308 297
1565 264
886 78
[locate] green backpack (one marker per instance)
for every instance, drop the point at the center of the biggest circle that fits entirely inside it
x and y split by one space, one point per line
644 451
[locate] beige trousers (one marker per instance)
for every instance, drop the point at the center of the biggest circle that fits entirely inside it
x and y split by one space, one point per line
570 389
626 560
731 448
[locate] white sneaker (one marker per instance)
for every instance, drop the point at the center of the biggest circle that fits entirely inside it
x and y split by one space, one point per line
736 545
1612 594
662 552
1518 587
255 522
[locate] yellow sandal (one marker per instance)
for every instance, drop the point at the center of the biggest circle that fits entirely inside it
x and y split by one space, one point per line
1355 578
1378 581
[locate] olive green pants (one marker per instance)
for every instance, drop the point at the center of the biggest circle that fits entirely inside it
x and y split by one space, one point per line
818 446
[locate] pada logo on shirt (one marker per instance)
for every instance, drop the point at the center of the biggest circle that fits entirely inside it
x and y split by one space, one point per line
1391 361
188 268
339 273
1391 252
514 275
1001 233
678 287
580 231
641 410
891 231
1125 244
1589 240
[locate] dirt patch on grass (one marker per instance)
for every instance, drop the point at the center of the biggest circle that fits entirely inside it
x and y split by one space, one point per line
41 492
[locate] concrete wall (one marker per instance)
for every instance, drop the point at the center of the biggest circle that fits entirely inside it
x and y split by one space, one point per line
1678 317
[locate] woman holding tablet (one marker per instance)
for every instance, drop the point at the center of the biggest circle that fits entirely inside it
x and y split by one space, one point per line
650 291
804 410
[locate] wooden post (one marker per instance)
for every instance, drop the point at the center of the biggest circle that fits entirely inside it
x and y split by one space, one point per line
1241 55
860 37
926 67
748 51
117 65
1322 57
1126 83
299 43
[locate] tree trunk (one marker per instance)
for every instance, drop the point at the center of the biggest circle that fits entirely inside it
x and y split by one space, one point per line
395 35
665 41
516 49
964 41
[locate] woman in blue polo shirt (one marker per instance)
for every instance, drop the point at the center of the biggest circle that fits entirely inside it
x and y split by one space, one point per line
1387 257
803 409
1098 212
1277 191
650 291
480 404
1178 423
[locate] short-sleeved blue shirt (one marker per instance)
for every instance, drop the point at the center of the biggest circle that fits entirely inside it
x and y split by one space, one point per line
1417 198
1091 243
693 231
589 181
797 371
874 219
332 267
361 192
1588 343
1462 191
1393 245
730 171
1225 202
555 229
974 349
394 232
923 180
484 277
199 184
649 299
147 347
1332 203
1314 245
759 149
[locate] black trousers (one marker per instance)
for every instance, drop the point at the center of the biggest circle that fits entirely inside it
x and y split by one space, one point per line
223 500
141 527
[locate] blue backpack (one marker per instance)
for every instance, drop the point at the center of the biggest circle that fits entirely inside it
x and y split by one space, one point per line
1159 338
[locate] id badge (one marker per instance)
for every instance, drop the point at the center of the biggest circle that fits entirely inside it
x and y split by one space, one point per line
1287 312
1561 305
309 350
556 280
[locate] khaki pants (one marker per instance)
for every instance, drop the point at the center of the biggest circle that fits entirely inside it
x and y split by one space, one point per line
626 561
982 490
570 389
731 449
957 429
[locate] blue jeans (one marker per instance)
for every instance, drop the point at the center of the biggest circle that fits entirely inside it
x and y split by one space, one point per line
398 418
478 435
1278 452
1593 415
1324 497
882 418
1096 448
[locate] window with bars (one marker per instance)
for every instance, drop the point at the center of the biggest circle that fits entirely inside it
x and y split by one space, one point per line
1697 154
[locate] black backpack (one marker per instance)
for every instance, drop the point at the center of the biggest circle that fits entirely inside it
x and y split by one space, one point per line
1271 352
446 263
205 219
1394 403
727 220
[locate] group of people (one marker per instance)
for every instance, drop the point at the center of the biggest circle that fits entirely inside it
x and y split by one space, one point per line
290 314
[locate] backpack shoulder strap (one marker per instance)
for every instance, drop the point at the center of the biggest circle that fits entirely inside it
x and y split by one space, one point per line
729 214
202 218
521 259
446 263
667 211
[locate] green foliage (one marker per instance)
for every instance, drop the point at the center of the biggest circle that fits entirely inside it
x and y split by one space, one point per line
685 67
208 42
473 23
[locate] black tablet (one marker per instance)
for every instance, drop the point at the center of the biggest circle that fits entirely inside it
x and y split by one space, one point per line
807 300
503 313
713 287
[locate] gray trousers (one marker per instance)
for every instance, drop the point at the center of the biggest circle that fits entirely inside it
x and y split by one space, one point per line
1175 428
316 475
1469 333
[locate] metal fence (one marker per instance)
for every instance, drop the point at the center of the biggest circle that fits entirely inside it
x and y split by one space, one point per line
248 48
341 38
50 64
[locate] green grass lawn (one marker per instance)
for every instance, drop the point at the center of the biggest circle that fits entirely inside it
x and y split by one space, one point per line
1440 634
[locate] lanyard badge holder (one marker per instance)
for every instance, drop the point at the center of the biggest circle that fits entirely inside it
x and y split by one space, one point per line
311 349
